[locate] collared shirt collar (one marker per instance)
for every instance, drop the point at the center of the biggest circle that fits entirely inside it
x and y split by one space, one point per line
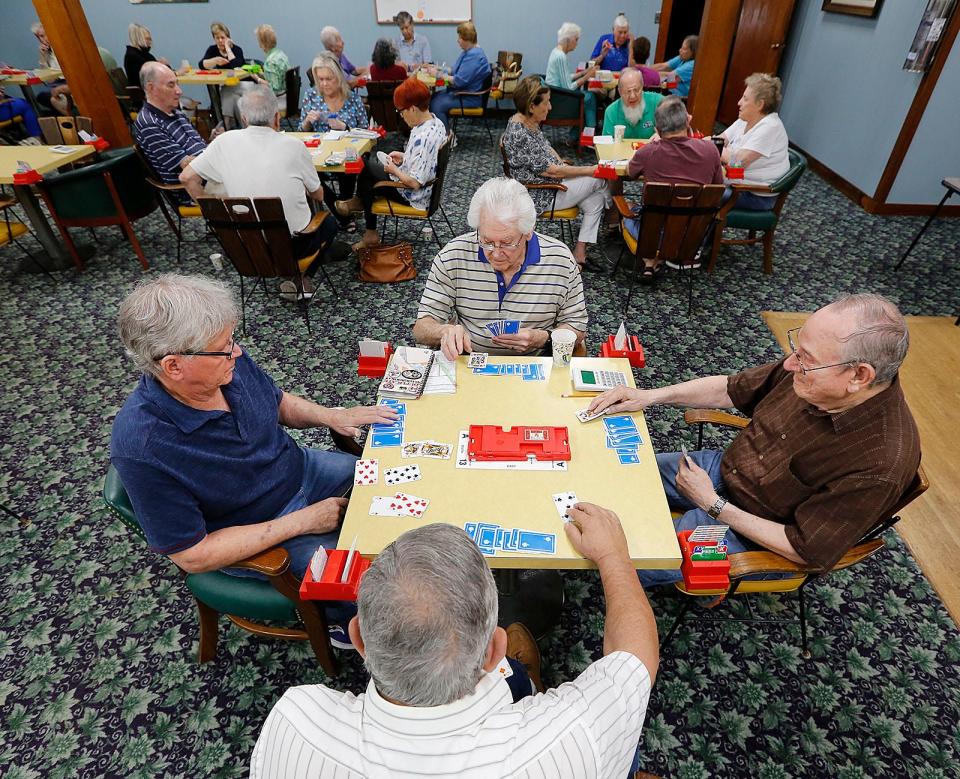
854 417
531 257
151 107
185 417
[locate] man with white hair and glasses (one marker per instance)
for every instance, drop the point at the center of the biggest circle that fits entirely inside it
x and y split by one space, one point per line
200 446
831 448
613 51
437 703
501 270
634 109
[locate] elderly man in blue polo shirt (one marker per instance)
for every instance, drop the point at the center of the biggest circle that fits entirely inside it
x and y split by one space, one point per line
501 270
614 50
212 475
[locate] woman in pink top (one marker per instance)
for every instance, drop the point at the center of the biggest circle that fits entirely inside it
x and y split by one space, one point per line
641 51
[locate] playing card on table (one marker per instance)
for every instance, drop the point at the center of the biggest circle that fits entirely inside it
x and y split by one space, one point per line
486 534
618 442
477 360
511 540
584 415
510 326
411 505
396 405
490 370
628 457
470 528
614 424
366 472
436 449
385 507
412 448
402 474
564 501
532 542
379 440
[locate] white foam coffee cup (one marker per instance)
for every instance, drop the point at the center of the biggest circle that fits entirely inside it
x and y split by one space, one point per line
563 341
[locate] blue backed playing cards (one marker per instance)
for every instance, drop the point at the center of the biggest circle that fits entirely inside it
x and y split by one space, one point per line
384 434
624 438
528 371
505 327
491 538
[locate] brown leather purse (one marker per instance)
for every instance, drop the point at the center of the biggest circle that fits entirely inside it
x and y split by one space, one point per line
387 264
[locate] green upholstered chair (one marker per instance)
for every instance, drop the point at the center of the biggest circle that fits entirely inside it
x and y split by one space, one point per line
111 191
248 603
566 110
757 221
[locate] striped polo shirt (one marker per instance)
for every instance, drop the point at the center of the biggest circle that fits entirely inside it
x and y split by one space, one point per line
166 139
463 288
586 728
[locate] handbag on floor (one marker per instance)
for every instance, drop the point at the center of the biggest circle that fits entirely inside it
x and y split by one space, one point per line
387 264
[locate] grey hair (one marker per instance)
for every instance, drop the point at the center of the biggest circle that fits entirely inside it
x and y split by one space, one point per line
402 18
384 53
258 106
427 608
327 60
266 36
670 116
137 33
150 72
567 32
327 35
621 21
505 201
880 336
36 27
172 314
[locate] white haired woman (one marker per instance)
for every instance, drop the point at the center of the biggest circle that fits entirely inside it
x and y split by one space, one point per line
275 63
558 70
533 160
332 41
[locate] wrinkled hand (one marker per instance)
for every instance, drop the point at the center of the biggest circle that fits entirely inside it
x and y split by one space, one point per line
219 62
524 340
396 156
620 399
337 124
312 117
217 131
694 484
325 515
348 420
391 167
596 533
454 341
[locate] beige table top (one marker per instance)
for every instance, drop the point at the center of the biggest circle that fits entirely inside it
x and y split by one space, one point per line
40 158
44 74
326 148
431 81
220 78
521 499
617 151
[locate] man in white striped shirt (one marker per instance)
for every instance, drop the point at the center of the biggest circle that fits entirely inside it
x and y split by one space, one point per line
437 705
502 270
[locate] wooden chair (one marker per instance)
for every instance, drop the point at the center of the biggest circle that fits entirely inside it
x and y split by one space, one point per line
254 235
111 191
673 226
474 112
382 109
745 564
291 112
384 206
564 216
247 602
757 221
64 129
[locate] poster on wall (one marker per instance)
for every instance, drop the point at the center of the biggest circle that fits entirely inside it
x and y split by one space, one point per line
425 11
928 35
853 7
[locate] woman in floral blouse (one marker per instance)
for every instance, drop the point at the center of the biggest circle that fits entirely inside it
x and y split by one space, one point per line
414 167
533 160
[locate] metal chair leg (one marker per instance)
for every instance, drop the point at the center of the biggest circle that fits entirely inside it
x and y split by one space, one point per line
687 603
805 650
934 215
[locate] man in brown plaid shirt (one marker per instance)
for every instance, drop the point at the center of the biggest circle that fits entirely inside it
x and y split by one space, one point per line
831 448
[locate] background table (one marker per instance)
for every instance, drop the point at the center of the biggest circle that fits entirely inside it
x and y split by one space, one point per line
46 75
617 151
42 160
326 148
213 82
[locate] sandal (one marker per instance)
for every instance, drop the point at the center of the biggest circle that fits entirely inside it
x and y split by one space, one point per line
648 274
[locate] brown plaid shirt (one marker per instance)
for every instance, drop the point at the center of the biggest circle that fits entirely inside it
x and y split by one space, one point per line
827 477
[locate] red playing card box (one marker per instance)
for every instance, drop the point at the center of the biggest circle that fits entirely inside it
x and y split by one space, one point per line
702 574
633 352
492 442
374 367
27 177
330 587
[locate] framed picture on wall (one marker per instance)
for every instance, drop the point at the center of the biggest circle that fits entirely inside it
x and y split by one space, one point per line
853 7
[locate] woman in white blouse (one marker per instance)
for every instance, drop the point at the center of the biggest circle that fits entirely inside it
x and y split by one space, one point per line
757 141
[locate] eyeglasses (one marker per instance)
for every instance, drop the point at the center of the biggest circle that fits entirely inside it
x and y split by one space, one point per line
231 345
803 368
489 246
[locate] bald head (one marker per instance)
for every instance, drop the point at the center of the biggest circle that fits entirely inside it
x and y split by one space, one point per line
160 86
630 86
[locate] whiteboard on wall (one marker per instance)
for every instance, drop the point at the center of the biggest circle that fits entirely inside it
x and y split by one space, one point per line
425 11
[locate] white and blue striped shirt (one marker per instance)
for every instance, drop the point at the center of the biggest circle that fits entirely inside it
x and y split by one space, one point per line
166 139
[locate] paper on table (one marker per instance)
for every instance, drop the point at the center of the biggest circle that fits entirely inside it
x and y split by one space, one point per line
334 135
442 379
620 339
600 140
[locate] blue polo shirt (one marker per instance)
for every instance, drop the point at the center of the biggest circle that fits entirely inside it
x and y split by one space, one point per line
684 70
531 257
189 472
617 58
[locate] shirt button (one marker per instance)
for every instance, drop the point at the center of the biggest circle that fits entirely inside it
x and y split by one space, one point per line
734 470
783 436
759 456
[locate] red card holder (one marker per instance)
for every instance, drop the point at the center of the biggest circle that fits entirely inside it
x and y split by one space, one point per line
353 166
27 177
734 173
330 587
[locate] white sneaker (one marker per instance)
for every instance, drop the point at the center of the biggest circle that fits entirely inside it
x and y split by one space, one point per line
288 292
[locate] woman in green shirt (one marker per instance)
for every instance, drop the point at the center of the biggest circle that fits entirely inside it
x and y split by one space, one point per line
276 64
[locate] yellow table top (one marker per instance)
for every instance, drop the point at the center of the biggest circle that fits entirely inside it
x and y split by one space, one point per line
40 158
617 151
430 81
44 74
326 148
521 499
220 77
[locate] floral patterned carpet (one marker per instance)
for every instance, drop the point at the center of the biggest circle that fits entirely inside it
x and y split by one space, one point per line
98 637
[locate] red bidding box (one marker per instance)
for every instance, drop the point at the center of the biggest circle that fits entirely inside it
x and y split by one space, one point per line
605 172
353 166
633 352
311 143
492 442
27 177
734 173
702 574
100 144
330 587
374 366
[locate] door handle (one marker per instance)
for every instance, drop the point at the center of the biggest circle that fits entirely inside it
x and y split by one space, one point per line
776 45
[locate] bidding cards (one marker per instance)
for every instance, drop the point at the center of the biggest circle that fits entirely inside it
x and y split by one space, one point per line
491 538
528 371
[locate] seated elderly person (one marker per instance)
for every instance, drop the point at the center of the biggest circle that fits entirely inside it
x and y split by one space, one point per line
437 703
260 161
12 107
641 51
681 66
634 108
414 167
200 446
468 74
222 54
138 52
275 62
332 41
500 270
757 141
384 66
612 51
558 71
413 47
532 160
831 448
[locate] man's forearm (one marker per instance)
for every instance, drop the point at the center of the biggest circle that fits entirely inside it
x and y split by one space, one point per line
428 331
300 413
765 532
706 392
630 625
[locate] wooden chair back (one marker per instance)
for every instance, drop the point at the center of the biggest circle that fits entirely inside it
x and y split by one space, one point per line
675 219
380 100
254 235
64 129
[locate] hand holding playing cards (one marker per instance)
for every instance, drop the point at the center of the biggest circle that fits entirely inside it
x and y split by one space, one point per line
620 399
596 533
348 420
524 340
325 515
695 484
454 341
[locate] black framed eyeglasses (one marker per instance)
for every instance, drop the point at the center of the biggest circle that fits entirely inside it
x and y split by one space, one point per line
489 246
231 345
803 368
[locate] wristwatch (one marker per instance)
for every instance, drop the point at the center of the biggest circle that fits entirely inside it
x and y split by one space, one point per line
716 508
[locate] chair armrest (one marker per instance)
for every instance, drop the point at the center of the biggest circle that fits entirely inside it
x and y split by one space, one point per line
165 187
762 189
693 416
623 206
314 224
751 563
389 185
271 562
472 94
557 187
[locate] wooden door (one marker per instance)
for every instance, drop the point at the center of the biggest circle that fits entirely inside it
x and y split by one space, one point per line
758 47
677 21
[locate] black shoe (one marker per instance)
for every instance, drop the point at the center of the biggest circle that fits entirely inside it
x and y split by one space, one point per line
338 251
